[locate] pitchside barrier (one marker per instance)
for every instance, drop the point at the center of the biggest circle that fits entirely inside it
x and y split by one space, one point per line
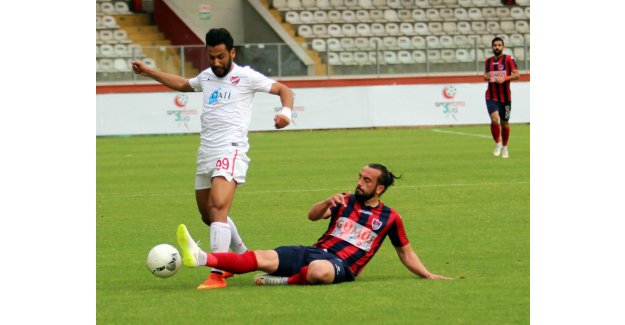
319 104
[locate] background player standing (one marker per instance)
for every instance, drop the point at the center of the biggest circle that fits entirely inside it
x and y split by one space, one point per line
222 162
499 71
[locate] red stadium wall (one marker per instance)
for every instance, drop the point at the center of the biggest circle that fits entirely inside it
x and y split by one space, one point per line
303 83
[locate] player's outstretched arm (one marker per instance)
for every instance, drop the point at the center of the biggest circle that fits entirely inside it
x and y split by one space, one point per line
283 119
410 259
172 81
321 210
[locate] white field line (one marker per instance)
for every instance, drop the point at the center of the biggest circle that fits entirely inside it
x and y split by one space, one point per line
190 193
462 133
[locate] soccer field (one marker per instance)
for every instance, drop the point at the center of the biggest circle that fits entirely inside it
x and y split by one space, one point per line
466 213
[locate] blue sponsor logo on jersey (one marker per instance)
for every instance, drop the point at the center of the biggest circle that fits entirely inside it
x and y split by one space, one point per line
218 96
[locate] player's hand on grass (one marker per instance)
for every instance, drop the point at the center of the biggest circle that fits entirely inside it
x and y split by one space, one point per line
438 277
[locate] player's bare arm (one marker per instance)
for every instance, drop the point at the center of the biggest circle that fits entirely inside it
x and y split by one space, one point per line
514 75
283 118
321 210
412 262
169 80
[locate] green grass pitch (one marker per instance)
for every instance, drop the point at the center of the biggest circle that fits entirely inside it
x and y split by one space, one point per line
467 215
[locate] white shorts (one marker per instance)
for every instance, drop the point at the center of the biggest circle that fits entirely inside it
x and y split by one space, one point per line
231 163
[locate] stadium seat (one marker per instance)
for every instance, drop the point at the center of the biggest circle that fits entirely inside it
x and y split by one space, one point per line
518 54
121 65
107 50
404 15
323 4
121 8
447 14
462 55
461 14
406 29
475 40
376 43
522 26
461 41
433 14
507 26
450 3
109 22
392 29
475 14
433 42
418 42
374 58
464 28
395 4
503 13
348 44
305 31
121 50
524 3
390 57
318 44
294 5
349 30
489 13
338 4
98 22
106 65
362 43
390 15
135 50
107 8
363 16
479 3
478 27
516 40
465 3
97 66
361 58
334 45
517 13
421 29
419 56
334 16
494 3
363 29
106 36
347 58
527 12
407 4
292 17
493 27
281 5
404 43
434 56
436 3
366 4
379 4
320 30
334 30
527 38
321 17
333 58
450 27
307 17
377 15
390 43
487 40
419 15
309 4
405 57
349 16
448 56
423 4
150 62
377 29
352 4
508 51
436 28
447 42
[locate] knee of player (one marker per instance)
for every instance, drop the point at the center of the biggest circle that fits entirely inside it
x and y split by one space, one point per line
319 272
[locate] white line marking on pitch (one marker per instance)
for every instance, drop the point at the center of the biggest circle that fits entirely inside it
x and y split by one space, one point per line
308 190
462 133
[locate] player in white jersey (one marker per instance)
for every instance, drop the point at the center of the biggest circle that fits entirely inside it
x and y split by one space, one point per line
222 161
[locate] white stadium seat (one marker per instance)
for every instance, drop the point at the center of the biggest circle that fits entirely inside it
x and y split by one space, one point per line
461 41
361 58
434 56
489 13
475 14
517 13
333 59
307 17
436 27
406 29
107 8
465 3
378 29
419 15
377 15
423 4
462 55
395 4
390 15
478 27
516 40
294 5
280 5
404 15
419 56
362 43
318 44
121 65
349 16
309 4
418 42
106 65
334 16
347 58
421 29
450 27
433 42
348 44
121 50
503 13
390 57
448 56
351 4
461 14
390 43
464 28
349 30
507 26
433 14
121 8
405 57
334 45
304 31
363 30
493 27
320 30
447 42
323 4
522 26
366 4
292 17
321 17
447 14
392 29
404 43
363 16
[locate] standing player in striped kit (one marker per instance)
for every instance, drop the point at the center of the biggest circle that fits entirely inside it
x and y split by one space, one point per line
359 223
499 71
222 162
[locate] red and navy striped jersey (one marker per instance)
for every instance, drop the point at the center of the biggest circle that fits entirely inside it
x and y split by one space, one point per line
356 232
497 66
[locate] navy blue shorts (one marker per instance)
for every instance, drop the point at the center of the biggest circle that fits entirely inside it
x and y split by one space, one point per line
293 258
503 109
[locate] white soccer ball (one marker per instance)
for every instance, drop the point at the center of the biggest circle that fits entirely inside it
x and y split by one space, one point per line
164 260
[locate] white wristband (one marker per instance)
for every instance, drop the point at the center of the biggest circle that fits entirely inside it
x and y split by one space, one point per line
286 111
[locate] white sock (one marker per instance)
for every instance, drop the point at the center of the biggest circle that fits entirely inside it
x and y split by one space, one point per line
220 238
236 243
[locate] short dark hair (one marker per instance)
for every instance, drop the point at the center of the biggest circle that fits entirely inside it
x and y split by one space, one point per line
497 39
387 178
217 36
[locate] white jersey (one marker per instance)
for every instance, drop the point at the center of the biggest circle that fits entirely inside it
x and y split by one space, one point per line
227 106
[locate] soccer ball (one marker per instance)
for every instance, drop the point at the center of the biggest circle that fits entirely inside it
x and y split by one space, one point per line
164 260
